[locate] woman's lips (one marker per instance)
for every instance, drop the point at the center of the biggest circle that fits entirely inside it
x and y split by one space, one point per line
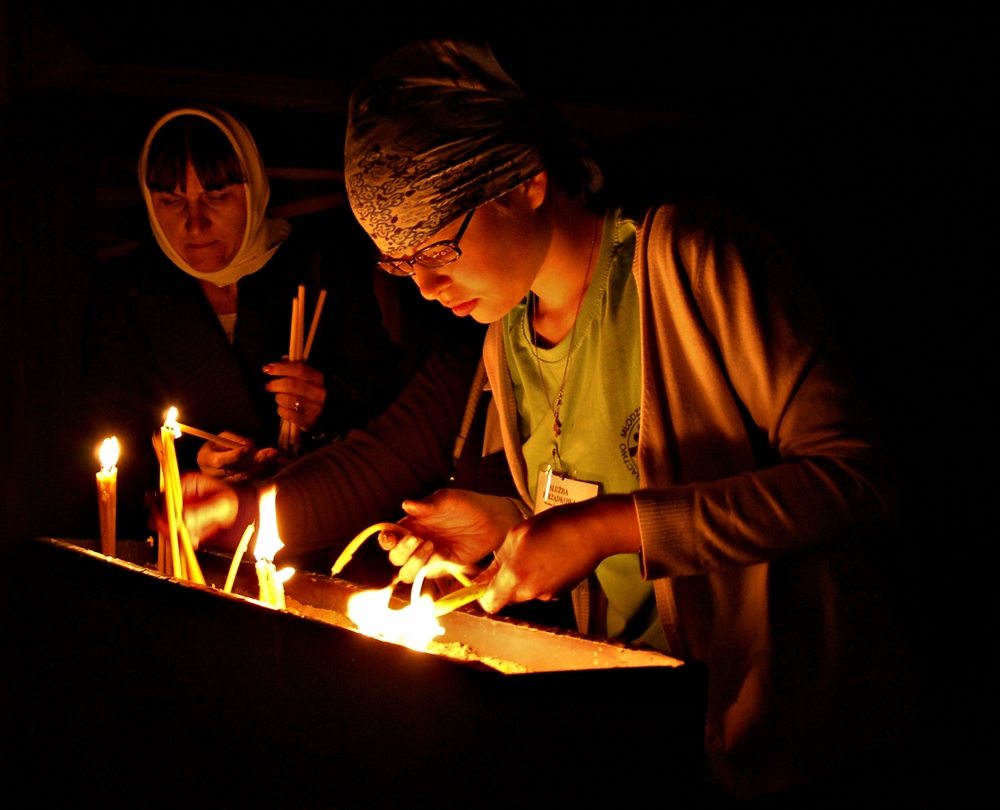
464 308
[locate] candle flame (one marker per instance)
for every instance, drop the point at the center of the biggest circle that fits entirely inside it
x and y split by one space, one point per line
413 626
109 455
284 575
268 543
170 423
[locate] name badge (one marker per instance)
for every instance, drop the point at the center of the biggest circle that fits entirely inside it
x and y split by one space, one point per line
556 489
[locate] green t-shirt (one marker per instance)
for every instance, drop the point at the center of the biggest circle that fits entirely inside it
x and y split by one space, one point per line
599 413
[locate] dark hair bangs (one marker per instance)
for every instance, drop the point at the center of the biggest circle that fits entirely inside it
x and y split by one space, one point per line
191 137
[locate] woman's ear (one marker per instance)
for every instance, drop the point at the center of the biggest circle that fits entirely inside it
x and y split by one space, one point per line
532 191
536 189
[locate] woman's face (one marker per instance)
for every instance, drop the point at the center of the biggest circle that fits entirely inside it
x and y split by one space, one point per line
503 249
205 227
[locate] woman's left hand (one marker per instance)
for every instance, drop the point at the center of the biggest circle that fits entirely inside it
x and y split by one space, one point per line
550 553
454 525
298 390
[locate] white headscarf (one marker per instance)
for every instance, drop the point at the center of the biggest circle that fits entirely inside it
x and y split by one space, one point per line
263 235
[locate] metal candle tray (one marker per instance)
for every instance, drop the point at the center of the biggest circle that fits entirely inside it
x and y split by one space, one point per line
137 689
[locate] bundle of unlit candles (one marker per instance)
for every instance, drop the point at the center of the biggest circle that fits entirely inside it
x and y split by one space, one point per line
289 437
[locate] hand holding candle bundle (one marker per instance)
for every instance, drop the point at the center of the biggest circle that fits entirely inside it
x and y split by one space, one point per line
299 347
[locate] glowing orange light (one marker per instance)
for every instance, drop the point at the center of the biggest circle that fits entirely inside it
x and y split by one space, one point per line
413 626
170 423
109 455
268 543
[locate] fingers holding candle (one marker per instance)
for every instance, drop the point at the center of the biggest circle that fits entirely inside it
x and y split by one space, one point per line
550 553
450 528
239 463
288 436
463 526
299 392
420 554
404 548
387 539
214 458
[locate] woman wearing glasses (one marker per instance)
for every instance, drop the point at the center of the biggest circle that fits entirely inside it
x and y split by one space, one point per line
690 457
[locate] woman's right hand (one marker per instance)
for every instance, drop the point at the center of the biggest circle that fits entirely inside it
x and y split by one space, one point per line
210 505
453 525
219 461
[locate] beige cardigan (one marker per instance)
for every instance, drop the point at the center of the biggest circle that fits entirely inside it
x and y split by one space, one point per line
762 480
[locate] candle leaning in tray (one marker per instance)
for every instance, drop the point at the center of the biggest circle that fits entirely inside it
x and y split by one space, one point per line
107 494
241 549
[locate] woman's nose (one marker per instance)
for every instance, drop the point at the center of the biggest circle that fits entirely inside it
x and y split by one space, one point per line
430 280
196 219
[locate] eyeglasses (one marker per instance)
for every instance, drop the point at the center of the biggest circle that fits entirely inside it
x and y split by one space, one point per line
437 255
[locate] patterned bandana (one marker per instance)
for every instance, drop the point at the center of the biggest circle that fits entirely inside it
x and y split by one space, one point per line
263 234
434 131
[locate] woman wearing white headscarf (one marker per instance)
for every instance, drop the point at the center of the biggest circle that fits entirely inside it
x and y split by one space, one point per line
201 319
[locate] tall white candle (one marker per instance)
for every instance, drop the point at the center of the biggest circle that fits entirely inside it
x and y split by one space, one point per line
107 494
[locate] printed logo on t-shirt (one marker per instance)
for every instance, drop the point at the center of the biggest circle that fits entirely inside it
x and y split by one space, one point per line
629 444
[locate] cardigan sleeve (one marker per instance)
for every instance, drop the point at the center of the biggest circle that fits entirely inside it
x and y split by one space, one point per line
756 442
332 494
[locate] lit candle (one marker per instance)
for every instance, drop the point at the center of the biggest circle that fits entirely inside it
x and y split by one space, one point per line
413 626
167 436
183 562
271 582
107 494
280 578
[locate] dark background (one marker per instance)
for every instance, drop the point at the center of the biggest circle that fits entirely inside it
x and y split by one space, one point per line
857 140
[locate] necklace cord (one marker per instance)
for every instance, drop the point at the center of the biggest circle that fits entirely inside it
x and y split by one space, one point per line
533 313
